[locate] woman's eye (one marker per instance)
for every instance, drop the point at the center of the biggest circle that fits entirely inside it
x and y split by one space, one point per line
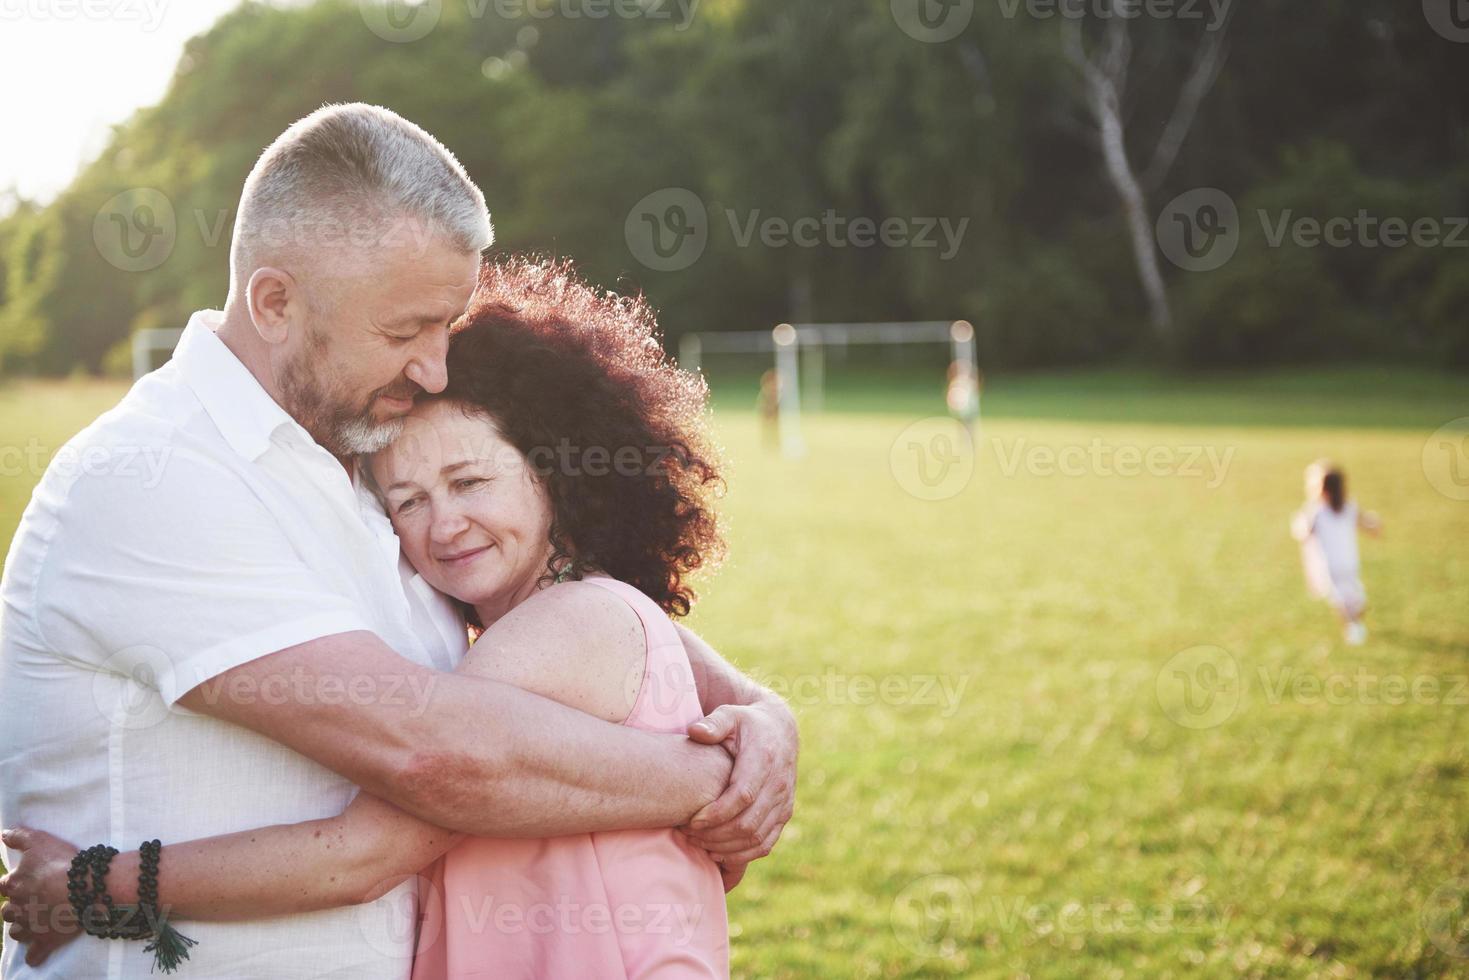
408 505
469 482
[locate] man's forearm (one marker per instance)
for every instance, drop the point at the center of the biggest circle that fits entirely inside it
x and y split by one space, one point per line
555 770
468 753
719 683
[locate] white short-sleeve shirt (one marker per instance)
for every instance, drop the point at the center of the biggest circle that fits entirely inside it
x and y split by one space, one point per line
191 529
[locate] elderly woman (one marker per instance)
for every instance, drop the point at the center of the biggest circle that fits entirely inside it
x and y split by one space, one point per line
566 455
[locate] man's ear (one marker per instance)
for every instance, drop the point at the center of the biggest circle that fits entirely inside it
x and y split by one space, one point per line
273 296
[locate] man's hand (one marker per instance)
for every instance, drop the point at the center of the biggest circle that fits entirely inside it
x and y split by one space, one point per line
38 910
744 823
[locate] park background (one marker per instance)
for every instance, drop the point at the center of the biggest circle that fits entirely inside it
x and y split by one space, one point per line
1066 709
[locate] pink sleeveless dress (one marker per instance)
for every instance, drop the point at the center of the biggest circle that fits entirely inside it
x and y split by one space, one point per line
611 905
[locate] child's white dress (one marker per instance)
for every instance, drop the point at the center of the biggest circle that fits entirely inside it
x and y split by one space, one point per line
1329 551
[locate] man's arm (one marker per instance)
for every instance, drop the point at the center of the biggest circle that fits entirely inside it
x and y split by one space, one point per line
467 753
718 681
759 728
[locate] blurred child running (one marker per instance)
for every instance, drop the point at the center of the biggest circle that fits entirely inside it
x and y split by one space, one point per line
1326 526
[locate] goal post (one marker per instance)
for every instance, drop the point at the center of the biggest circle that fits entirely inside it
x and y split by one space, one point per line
788 388
147 342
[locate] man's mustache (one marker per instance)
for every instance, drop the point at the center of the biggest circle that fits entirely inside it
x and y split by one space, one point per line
407 391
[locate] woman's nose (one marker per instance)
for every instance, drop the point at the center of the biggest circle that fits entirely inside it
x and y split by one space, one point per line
448 522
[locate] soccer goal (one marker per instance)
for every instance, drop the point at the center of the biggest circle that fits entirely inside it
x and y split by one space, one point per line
800 359
146 345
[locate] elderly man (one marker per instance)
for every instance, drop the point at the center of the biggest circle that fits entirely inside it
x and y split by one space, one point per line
234 641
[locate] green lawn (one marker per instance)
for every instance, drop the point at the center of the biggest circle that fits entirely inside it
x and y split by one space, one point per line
1003 773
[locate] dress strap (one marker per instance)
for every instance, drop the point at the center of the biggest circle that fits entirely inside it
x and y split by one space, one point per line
668 699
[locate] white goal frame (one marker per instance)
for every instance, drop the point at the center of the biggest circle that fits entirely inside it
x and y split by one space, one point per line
800 349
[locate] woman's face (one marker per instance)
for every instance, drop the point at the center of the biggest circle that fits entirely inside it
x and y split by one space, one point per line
472 517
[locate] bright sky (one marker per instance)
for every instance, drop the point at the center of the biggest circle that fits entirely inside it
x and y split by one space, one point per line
70 69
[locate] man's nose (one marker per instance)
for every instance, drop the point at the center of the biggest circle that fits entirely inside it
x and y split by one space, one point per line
428 369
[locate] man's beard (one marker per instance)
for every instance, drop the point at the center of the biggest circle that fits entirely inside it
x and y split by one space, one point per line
336 427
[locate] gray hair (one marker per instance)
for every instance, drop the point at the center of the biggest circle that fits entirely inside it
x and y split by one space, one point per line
346 179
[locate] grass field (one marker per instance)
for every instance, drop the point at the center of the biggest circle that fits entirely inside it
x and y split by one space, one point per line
1068 722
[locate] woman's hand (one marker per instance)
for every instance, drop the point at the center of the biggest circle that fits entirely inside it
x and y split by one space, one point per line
39 910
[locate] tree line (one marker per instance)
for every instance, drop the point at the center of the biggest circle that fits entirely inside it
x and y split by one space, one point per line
1171 181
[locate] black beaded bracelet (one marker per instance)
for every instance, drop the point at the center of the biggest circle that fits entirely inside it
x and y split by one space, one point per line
142 921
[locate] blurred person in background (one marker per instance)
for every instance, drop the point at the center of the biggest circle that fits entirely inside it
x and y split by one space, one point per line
767 405
1326 526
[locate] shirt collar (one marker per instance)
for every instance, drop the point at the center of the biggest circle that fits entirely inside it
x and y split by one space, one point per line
241 409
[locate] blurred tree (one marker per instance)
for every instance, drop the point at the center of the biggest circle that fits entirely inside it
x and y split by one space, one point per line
1103 75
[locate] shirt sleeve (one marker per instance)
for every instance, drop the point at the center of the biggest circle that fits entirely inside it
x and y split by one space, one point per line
177 580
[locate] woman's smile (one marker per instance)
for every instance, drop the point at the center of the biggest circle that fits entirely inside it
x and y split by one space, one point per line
463 557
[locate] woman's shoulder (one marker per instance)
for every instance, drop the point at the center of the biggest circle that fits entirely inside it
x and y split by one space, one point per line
597 601
583 645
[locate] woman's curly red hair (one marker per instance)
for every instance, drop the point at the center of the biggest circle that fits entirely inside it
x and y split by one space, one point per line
576 379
